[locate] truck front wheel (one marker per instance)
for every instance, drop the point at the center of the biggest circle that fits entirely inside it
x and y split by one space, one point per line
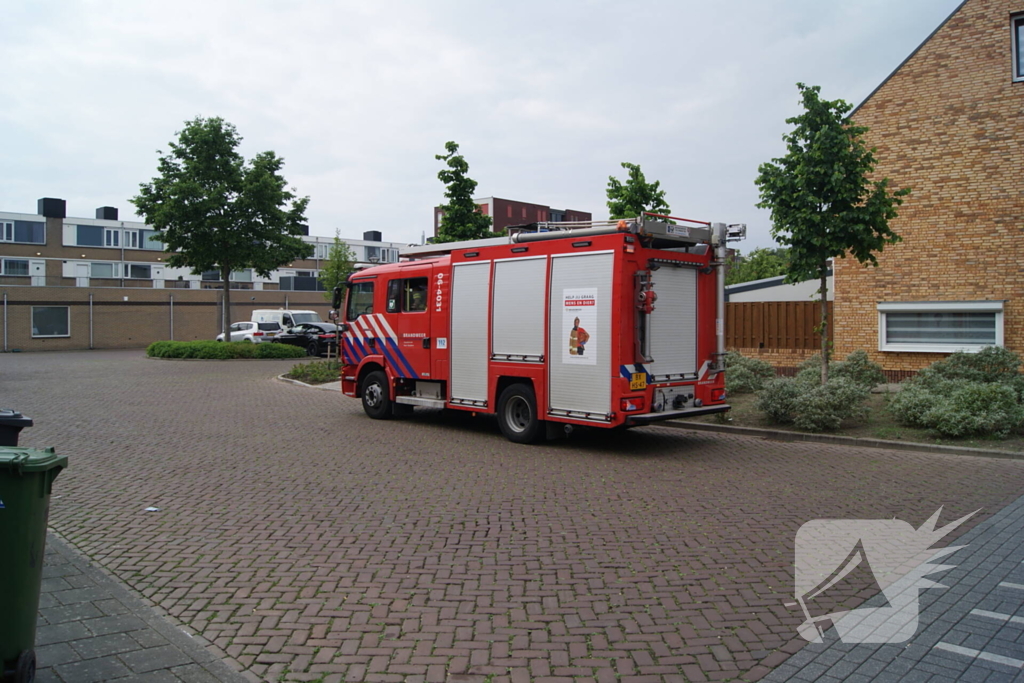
517 414
376 401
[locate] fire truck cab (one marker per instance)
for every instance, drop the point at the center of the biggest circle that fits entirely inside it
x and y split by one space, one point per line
610 324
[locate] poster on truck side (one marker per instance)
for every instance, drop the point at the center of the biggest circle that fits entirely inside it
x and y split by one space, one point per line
579 322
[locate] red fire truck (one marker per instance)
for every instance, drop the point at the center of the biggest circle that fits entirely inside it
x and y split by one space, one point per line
604 324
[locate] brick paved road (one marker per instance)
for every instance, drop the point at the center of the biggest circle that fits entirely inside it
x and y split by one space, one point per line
310 543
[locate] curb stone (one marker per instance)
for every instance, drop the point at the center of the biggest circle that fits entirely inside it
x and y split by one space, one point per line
834 440
328 386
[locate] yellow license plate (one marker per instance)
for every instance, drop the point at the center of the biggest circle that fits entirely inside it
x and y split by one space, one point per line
638 381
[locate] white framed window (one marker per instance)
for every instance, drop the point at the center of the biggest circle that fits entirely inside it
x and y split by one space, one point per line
14 267
1017 26
138 271
111 237
51 321
29 232
101 270
147 241
131 239
241 275
940 326
89 235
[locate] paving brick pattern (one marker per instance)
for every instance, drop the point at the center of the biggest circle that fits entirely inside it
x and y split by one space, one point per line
307 542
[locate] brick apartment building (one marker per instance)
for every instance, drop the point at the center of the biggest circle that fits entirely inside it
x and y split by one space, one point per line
506 212
75 283
946 123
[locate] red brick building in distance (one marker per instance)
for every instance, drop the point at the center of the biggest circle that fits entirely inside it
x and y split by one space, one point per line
506 212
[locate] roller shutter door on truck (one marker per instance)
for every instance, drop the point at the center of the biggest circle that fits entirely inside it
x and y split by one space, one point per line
471 284
517 332
579 380
673 324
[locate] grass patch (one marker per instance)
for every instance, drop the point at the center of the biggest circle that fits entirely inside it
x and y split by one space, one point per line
316 372
214 350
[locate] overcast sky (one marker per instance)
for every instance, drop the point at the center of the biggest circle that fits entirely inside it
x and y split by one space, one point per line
544 98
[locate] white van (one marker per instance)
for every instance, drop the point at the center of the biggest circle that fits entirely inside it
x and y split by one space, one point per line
287 318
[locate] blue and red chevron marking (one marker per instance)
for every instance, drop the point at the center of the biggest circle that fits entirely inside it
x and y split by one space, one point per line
355 345
628 374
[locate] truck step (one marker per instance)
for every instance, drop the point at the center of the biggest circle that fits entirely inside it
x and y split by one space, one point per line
417 401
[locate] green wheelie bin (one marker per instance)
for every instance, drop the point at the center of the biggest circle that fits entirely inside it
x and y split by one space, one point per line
26 479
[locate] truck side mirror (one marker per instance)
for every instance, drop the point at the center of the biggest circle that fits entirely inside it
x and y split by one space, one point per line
336 300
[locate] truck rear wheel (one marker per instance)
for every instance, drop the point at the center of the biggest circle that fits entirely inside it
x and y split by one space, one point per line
376 399
517 414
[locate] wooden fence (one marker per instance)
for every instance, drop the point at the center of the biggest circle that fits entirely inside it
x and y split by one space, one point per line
773 324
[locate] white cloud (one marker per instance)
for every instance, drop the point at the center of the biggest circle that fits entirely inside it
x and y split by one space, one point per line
545 99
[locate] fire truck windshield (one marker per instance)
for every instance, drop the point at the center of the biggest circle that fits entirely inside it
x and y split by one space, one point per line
360 300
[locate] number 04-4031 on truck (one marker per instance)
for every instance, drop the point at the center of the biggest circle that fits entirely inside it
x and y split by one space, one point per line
604 324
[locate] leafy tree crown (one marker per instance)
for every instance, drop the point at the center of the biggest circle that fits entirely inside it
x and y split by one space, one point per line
636 195
216 211
757 265
823 203
339 265
461 218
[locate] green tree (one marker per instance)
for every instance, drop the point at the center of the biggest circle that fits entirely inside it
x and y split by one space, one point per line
339 264
822 200
461 218
631 199
216 211
757 265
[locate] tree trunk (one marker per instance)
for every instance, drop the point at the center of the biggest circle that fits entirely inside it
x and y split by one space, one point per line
824 323
225 276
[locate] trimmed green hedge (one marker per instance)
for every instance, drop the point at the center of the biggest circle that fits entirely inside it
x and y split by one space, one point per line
746 375
804 402
965 394
214 350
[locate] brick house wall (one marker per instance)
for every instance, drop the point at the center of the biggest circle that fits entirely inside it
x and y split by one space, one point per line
947 123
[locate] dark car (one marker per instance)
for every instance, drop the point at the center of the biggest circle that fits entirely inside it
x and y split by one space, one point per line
316 338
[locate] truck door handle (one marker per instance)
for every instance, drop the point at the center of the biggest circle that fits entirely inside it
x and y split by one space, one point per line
372 342
426 342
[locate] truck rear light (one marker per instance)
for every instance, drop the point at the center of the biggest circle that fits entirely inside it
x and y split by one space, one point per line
632 405
718 394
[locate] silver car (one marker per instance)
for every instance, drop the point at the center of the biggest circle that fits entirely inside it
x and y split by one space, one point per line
252 332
